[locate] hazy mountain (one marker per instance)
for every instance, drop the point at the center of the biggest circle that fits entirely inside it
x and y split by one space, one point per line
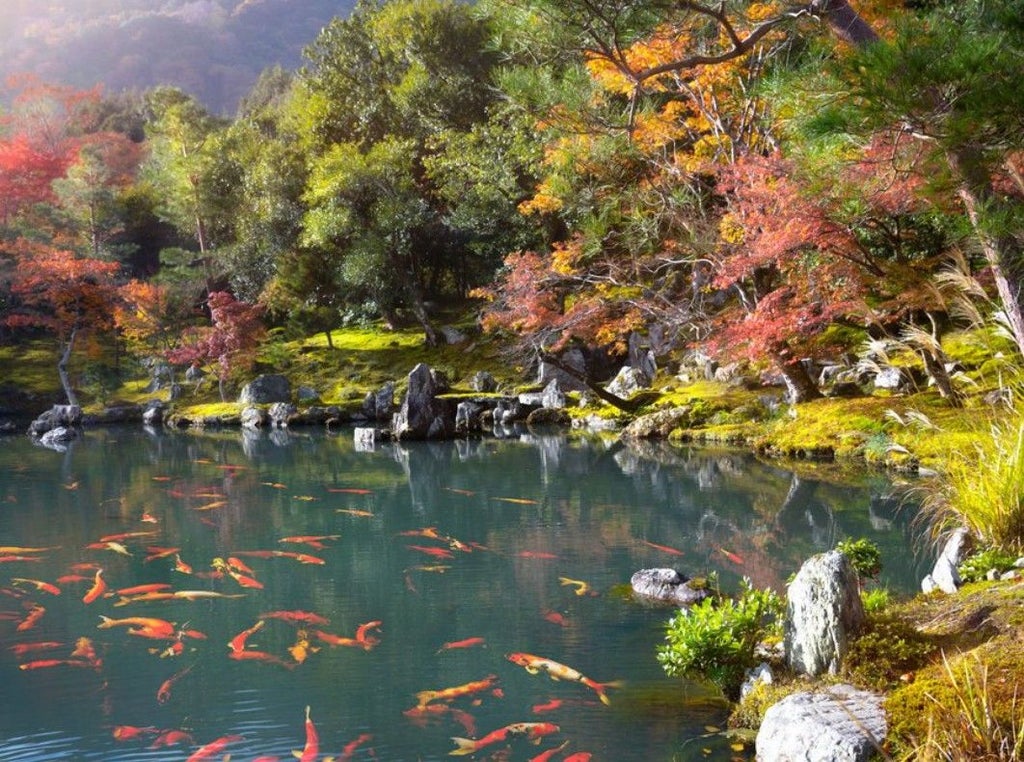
213 49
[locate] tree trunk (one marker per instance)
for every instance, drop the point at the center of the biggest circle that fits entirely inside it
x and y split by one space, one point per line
62 369
627 406
800 386
935 367
330 339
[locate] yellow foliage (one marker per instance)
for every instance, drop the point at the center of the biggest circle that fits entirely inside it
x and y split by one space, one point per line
730 229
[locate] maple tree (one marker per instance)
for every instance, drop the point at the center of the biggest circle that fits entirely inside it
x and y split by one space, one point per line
230 341
63 294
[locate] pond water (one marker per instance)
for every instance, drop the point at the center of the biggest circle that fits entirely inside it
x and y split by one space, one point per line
492 546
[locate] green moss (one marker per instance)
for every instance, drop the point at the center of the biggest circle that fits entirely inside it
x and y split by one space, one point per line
885 651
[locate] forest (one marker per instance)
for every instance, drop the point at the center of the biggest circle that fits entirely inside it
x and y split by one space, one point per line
768 182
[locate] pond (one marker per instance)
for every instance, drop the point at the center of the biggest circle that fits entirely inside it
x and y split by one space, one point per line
366 584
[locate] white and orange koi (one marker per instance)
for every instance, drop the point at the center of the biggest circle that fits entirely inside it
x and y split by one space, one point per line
556 671
534 731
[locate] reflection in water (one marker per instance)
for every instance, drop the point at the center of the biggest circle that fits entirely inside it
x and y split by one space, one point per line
513 544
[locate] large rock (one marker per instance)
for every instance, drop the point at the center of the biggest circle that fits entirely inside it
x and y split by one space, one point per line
666 585
658 425
266 389
823 609
380 405
57 437
628 382
836 724
572 358
423 415
281 414
58 416
945 576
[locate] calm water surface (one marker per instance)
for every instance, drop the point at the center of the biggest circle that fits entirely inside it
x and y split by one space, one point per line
512 545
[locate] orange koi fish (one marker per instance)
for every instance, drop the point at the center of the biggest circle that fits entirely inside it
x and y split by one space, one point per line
350 748
362 629
223 568
211 506
238 565
237 643
430 551
170 738
300 650
69 579
160 478
116 547
351 490
580 756
466 492
544 756
125 536
7 559
337 640
181 566
295 616
731 556
140 625
556 618
34 615
313 540
20 649
533 731
353 512
157 552
45 587
148 518
554 670
249 655
663 548
84 649
99 587
131 732
582 588
535 554
152 587
312 747
275 485
214 747
450 694
18 550
548 706
163 694
300 557
516 500
465 643
46 663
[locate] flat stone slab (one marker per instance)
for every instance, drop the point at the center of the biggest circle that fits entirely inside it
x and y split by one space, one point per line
835 724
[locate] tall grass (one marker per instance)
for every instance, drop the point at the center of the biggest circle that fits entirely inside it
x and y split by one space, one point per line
983 488
969 729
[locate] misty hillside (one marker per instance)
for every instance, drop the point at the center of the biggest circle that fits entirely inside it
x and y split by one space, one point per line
213 49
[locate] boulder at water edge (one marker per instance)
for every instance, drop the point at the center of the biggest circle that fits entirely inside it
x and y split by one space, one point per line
265 389
666 585
58 416
423 415
823 607
945 576
835 724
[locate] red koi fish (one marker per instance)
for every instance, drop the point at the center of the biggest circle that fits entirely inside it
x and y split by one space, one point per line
152 587
156 628
731 556
337 640
556 618
20 550
548 706
663 548
7 559
312 540
450 694
99 587
430 551
214 747
312 747
20 649
544 756
362 629
350 748
536 554
156 552
249 655
45 663
45 587
84 649
465 643
533 731
70 579
31 619
305 617
170 738
181 566
163 693
554 670
351 490
240 566
131 732
580 756
244 581
149 518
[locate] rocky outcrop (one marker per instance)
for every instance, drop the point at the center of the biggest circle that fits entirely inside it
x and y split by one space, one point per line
380 405
423 415
835 724
64 416
666 585
657 425
263 390
945 576
58 437
823 609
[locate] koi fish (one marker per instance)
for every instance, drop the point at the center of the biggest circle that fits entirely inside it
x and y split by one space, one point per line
731 556
125 536
45 587
131 732
214 747
170 738
46 663
148 518
305 498
163 693
275 485
465 643
544 756
353 512
350 748
535 664
300 557
211 506
156 595
556 618
116 547
535 554
19 550
362 629
664 548
157 552
312 747
430 551
351 490
150 627
420 715
99 587
296 616
300 650
436 568
582 588
548 706
466 492
195 595
337 640
580 756
249 655
534 731
20 649
312 540
34 615
152 587
181 566
69 579
516 500
7 559
449 694
238 565
222 567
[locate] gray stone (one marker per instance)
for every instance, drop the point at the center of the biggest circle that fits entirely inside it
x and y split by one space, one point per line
453 335
379 405
194 374
306 394
265 389
153 415
253 417
549 416
57 436
823 609
468 417
281 414
553 397
423 415
759 675
484 382
666 585
657 425
944 575
365 439
58 416
892 379
836 724
628 381
572 358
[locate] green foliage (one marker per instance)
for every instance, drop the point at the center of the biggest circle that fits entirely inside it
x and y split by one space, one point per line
715 639
864 555
976 566
875 600
885 651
